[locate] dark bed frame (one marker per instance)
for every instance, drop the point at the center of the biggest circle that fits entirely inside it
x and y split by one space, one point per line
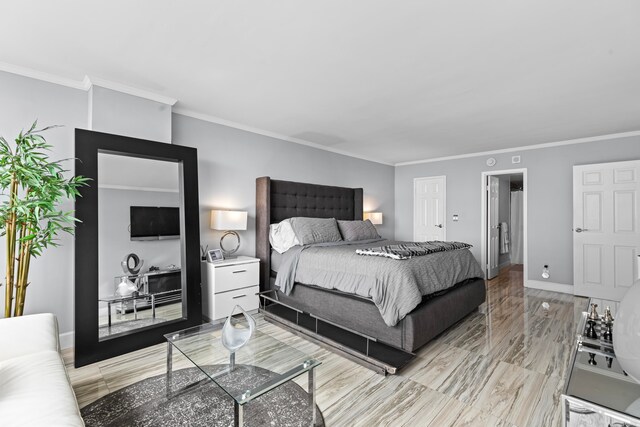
349 325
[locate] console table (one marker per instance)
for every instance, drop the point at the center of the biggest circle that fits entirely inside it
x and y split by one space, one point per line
598 392
110 300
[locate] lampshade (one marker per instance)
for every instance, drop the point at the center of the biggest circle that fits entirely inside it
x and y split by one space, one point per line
374 217
228 220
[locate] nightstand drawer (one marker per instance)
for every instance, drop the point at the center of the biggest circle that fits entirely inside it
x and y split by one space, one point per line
236 276
245 298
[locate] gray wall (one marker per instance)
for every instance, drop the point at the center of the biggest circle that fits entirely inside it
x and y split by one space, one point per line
23 100
550 204
114 238
230 160
122 114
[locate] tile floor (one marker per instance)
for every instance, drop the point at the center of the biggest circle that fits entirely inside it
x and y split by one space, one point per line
504 365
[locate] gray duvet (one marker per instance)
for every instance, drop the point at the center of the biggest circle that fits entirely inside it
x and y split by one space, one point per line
396 287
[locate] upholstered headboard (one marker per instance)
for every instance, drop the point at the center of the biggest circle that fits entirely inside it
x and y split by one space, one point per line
278 200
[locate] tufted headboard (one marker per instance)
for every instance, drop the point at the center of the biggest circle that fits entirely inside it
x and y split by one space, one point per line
279 200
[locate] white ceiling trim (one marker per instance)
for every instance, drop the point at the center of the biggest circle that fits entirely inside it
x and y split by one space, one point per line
86 83
39 75
526 147
129 90
240 126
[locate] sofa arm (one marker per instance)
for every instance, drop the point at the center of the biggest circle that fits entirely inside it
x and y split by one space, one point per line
28 334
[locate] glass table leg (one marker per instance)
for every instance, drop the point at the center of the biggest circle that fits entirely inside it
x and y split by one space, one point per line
232 361
238 415
312 395
169 368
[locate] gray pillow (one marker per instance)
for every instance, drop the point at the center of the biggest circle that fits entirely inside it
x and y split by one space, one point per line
315 230
358 230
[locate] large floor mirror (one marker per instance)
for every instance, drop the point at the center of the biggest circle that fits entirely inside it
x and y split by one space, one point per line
137 268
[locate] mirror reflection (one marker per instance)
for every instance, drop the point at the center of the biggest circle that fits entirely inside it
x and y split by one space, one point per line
139 231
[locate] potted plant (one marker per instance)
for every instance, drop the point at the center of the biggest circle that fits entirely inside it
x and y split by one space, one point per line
32 188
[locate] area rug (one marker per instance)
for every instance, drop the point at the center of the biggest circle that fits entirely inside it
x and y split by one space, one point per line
202 404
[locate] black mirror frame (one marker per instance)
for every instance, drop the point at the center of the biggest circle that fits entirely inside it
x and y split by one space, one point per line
88 348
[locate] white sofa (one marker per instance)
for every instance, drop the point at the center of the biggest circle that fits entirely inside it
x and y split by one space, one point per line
34 386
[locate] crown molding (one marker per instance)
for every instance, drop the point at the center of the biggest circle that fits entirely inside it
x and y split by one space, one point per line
240 126
526 147
40 75
88 82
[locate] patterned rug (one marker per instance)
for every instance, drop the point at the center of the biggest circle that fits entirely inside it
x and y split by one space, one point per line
202 404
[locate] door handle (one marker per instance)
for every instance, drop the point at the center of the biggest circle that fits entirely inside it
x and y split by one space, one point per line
439 225
580 230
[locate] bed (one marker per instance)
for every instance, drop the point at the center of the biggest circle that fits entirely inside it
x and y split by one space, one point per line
349 324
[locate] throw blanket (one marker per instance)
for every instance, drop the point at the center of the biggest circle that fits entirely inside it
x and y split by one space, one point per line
412 249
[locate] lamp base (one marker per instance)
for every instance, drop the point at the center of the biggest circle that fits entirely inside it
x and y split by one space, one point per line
229 252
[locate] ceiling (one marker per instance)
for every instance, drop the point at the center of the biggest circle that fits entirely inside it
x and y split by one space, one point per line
390 81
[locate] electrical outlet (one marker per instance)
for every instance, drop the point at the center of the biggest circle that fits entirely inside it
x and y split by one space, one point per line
545 272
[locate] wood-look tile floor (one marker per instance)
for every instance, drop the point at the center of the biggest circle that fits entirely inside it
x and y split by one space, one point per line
504 365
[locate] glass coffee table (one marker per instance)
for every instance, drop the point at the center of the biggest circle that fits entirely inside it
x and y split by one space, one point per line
202 346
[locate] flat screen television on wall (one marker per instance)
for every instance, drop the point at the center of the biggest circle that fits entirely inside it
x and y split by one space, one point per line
154 223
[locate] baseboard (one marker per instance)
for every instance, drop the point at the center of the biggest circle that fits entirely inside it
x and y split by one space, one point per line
67 340
550 286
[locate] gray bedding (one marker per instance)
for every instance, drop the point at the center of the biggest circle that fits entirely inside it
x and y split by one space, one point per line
396 287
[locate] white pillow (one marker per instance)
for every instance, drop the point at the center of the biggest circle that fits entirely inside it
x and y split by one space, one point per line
282 237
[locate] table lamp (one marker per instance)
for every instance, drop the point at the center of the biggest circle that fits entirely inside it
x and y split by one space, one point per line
228 221
374 217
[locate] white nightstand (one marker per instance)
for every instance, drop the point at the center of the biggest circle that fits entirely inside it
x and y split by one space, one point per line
227 283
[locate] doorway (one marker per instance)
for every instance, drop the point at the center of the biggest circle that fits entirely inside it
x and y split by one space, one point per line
504 223
605 235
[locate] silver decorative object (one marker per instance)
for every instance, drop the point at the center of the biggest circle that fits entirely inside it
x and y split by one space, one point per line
594 312
608 318
126 287
233 338
126 264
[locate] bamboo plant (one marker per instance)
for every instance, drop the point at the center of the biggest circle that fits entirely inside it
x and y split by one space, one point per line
30 218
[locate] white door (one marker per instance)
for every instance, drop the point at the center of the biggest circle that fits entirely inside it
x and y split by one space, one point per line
429 197
606 236
493 242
